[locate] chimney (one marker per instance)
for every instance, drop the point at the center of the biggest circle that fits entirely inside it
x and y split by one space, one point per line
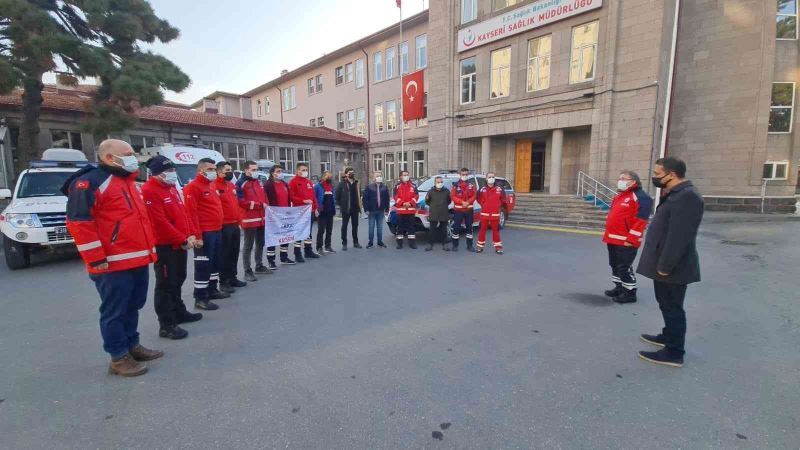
284 72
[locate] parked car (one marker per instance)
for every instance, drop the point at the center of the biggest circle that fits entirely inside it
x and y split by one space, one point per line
479 181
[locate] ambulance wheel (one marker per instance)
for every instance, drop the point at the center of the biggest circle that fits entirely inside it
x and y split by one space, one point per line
502 218
18 255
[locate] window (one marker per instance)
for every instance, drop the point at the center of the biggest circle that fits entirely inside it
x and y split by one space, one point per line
304 156
140 142
339 75
781 113
584 52
348 72
424 120
391 115
786 27
286 158
468 80
389 175
422 51
258 108
377 162
391 61
404 58
539 63
321 121
289 99
271 154
312 122
262 152
311 86
379 118
469 10
266 105
324 160
501 73
419 164
217 146
340 121
776 170
502 4
236 155
350 119
402 161
66 139
377 63
361 121
318 81
359 73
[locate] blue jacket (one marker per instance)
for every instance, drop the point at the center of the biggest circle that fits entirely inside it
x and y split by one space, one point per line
325 203
370 198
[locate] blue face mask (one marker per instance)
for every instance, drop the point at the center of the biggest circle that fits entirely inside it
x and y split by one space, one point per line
129 163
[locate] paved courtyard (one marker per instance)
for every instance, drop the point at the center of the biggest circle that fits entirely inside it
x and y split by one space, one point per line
388 349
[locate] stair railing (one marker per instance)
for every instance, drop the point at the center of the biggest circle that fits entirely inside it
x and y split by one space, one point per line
601 194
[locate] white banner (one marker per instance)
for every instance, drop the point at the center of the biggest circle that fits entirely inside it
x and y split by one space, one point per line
522 19
286 225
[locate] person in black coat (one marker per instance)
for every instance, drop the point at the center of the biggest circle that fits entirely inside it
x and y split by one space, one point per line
438 201
348 199
669 257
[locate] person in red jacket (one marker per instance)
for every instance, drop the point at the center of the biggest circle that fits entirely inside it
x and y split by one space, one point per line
204 209
492 199
301 192
625 224
277 195
463 196
230 236
109 223
405 203
252 201
173 237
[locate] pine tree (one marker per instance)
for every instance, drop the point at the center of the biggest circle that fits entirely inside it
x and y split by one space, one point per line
85 38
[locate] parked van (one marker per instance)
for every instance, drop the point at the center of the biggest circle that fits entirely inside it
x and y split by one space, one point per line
184 156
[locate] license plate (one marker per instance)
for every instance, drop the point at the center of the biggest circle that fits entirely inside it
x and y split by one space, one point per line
61 230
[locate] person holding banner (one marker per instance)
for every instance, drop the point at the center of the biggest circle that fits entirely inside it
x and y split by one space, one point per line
405 202
327 211
230 235
252 201
301 192
277 195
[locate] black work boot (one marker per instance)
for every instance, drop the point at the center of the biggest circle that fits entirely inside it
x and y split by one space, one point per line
657 340
206 305
412 244
187 317
298 256
429 247
627 296
309 253
172 332
665 357
237 283
455 245
470 248
399 243
224 286
616 291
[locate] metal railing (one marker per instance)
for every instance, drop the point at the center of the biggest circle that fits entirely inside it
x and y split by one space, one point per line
592 190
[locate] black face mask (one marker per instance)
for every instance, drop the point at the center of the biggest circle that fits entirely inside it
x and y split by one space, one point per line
229 176
350 175
658 182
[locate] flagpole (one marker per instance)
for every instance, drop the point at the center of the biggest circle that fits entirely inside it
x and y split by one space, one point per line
402 110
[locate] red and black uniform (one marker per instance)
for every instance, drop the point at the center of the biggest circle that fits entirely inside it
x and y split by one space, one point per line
107 218
230 234
463 192
492 200
252 201
406 192
625 225
171 229
204 208
277 195
300 190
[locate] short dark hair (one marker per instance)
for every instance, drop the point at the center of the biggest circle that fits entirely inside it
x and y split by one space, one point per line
221 165
205 161
673 164
402 172
249 163
348 169
274 168
464 169
301 164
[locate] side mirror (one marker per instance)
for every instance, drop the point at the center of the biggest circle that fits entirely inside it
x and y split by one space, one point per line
5 193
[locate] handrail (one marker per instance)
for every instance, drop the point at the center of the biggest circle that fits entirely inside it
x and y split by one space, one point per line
601 194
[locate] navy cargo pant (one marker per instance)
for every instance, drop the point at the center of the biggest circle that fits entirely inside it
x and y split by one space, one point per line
620 258
122 295
170 271
206 265
466 218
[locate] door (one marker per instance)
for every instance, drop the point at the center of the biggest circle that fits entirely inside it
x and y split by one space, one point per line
522 167
537 171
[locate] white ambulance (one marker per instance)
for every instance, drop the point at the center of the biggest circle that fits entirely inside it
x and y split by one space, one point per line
185 157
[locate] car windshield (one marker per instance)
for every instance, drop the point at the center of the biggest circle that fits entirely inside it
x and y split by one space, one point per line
428 184
42 184
186 173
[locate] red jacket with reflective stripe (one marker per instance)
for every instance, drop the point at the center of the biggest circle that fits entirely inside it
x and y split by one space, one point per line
252 199
492 199
108 220
230 203
406 193
628 217
167 213
301 189
203 206
463 191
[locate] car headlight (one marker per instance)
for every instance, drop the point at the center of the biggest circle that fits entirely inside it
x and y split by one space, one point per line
23 220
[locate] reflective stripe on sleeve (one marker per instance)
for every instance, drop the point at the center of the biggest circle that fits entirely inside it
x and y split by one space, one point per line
89 246
618 237
124 256
635 233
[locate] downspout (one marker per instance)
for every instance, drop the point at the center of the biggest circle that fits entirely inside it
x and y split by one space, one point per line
670 92
280 100
367 111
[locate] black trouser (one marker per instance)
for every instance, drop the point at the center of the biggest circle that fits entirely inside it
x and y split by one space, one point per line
438 232
620 259
229 252
670 300
324 230
346 218
406 226
304 246
465 217
206 265
253 236
284 253
170 271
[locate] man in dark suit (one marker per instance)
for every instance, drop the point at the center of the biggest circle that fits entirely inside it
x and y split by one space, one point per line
670 257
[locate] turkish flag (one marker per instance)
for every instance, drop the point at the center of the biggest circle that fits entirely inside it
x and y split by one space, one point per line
414 96
399 3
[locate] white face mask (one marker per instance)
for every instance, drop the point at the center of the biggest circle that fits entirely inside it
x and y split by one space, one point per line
439 185
490 180
379 179
622 185
304 174
278 175
170 177
210 176
463 178
404 178
129 163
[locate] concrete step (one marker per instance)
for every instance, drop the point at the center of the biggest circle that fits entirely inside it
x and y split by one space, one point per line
571 216
555 208
552 221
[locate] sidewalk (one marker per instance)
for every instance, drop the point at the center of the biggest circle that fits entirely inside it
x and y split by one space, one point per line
735 217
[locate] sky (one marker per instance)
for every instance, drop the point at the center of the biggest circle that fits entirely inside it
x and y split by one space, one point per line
236 45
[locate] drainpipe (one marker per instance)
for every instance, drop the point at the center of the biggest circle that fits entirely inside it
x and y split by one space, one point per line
280 101
670 92
367 111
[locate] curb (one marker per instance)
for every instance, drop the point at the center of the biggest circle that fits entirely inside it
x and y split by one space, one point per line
555 229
